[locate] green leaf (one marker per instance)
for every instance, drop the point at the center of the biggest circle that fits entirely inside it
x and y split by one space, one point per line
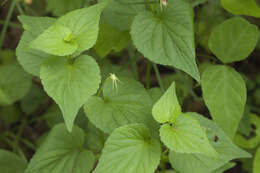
126 104
245 123
253 141
121 13
155 94
34 99
7 56
85 27
233 40
110 39
70 84
14 83
95 138
187 136
227 151
11 163
56 40
36 25
53 116
167 108
225 167
10 114
242 7
167 38
208 17
195 3
62 152
224 92
256 166
60 7
31 59
129 149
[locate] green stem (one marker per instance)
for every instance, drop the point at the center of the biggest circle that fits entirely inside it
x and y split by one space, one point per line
19 8
24 141
7 20
158 76
148 75
133 58
12 24
19 133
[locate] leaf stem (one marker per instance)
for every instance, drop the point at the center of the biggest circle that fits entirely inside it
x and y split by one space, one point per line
12 24
148 74
7 20
19 133
19 8
133 58
158 76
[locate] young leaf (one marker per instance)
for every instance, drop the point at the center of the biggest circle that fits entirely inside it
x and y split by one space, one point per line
256 166
233 40
31 59
60 7
129 149
70 84
167 108
84 24
125 103
186 136
11 163
36 25
56 40
167 38
14 83
242 7
227 151
62 152
224 93
121 13
110 39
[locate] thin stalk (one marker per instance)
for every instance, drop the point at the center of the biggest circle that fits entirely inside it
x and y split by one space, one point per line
158 76
7 20
19 8
12 24
18 136
133 58
148 75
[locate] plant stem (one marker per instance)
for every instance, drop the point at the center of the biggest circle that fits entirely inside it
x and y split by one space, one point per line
12 24
133 58
18 136
158 76
148 74
7 20
19 8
